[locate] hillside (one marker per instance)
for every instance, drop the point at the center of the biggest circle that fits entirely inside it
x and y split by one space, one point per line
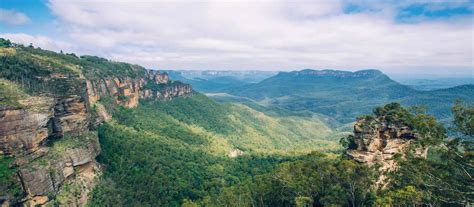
190 148
428 83
58 112
344 95
50 107
210 81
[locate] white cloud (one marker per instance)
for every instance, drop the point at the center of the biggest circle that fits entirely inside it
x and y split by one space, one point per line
261 35
38 41
12 17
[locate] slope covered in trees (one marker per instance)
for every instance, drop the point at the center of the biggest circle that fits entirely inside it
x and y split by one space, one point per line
444 178
192 151
145 159
343 95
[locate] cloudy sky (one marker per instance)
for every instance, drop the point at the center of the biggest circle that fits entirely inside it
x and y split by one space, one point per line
422 37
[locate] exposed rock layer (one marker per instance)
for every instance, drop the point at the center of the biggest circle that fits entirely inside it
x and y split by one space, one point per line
127 91
50 139
377 141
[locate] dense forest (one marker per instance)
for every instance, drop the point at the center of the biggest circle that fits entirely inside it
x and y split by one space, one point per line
192 151
343 95
148 164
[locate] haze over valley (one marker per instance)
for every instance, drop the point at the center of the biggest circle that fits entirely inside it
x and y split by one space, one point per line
236 103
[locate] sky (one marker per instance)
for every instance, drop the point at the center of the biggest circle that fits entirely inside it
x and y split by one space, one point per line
395 36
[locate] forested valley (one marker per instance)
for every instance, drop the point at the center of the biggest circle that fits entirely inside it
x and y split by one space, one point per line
84 130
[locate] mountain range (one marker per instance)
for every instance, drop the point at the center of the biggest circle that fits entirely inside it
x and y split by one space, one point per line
341 95
88 131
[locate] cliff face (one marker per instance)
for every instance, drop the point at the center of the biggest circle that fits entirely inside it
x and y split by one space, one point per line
127 91
46 132
377 140
46 136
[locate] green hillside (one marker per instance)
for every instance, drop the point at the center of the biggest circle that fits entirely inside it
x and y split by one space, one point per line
344 95
211 81
180 149
221 128
160 152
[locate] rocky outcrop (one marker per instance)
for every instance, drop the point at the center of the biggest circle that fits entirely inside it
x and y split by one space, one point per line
377 141
45 123
64 164
70 115
235 153
174 90
23 130
128 91
50 141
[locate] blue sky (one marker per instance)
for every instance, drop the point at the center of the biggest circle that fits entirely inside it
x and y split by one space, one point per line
432 37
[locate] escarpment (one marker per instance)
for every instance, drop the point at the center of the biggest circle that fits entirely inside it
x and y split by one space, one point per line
48 146
50 142
128 91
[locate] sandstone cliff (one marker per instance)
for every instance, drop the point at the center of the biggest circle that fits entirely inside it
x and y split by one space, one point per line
51 144
47 142
377 140
128 91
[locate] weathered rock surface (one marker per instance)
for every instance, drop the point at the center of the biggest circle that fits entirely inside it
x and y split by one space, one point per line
70 115
46 175
37 181
235 153
23 130
128 91
176 90
377 141
48 133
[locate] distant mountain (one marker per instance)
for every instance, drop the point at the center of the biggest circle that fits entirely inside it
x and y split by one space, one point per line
315 83
439 102
427 84
344 95
211 81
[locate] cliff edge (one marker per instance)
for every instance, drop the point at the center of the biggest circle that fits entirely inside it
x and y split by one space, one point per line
50 105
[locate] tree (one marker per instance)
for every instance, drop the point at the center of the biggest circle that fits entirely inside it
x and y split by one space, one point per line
445 177
463 119
5 43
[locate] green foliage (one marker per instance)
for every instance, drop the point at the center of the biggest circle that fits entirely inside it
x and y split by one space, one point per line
445 178
95 67
407 196
40 71
10 93
43 71
175 152
344 95
148 169
8 184
23 71
302 201
189 203
348 142
463 118
314 180
198 110
122 97
5 43
221 128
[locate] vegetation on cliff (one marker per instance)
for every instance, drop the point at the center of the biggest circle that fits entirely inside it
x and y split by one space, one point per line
164 145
